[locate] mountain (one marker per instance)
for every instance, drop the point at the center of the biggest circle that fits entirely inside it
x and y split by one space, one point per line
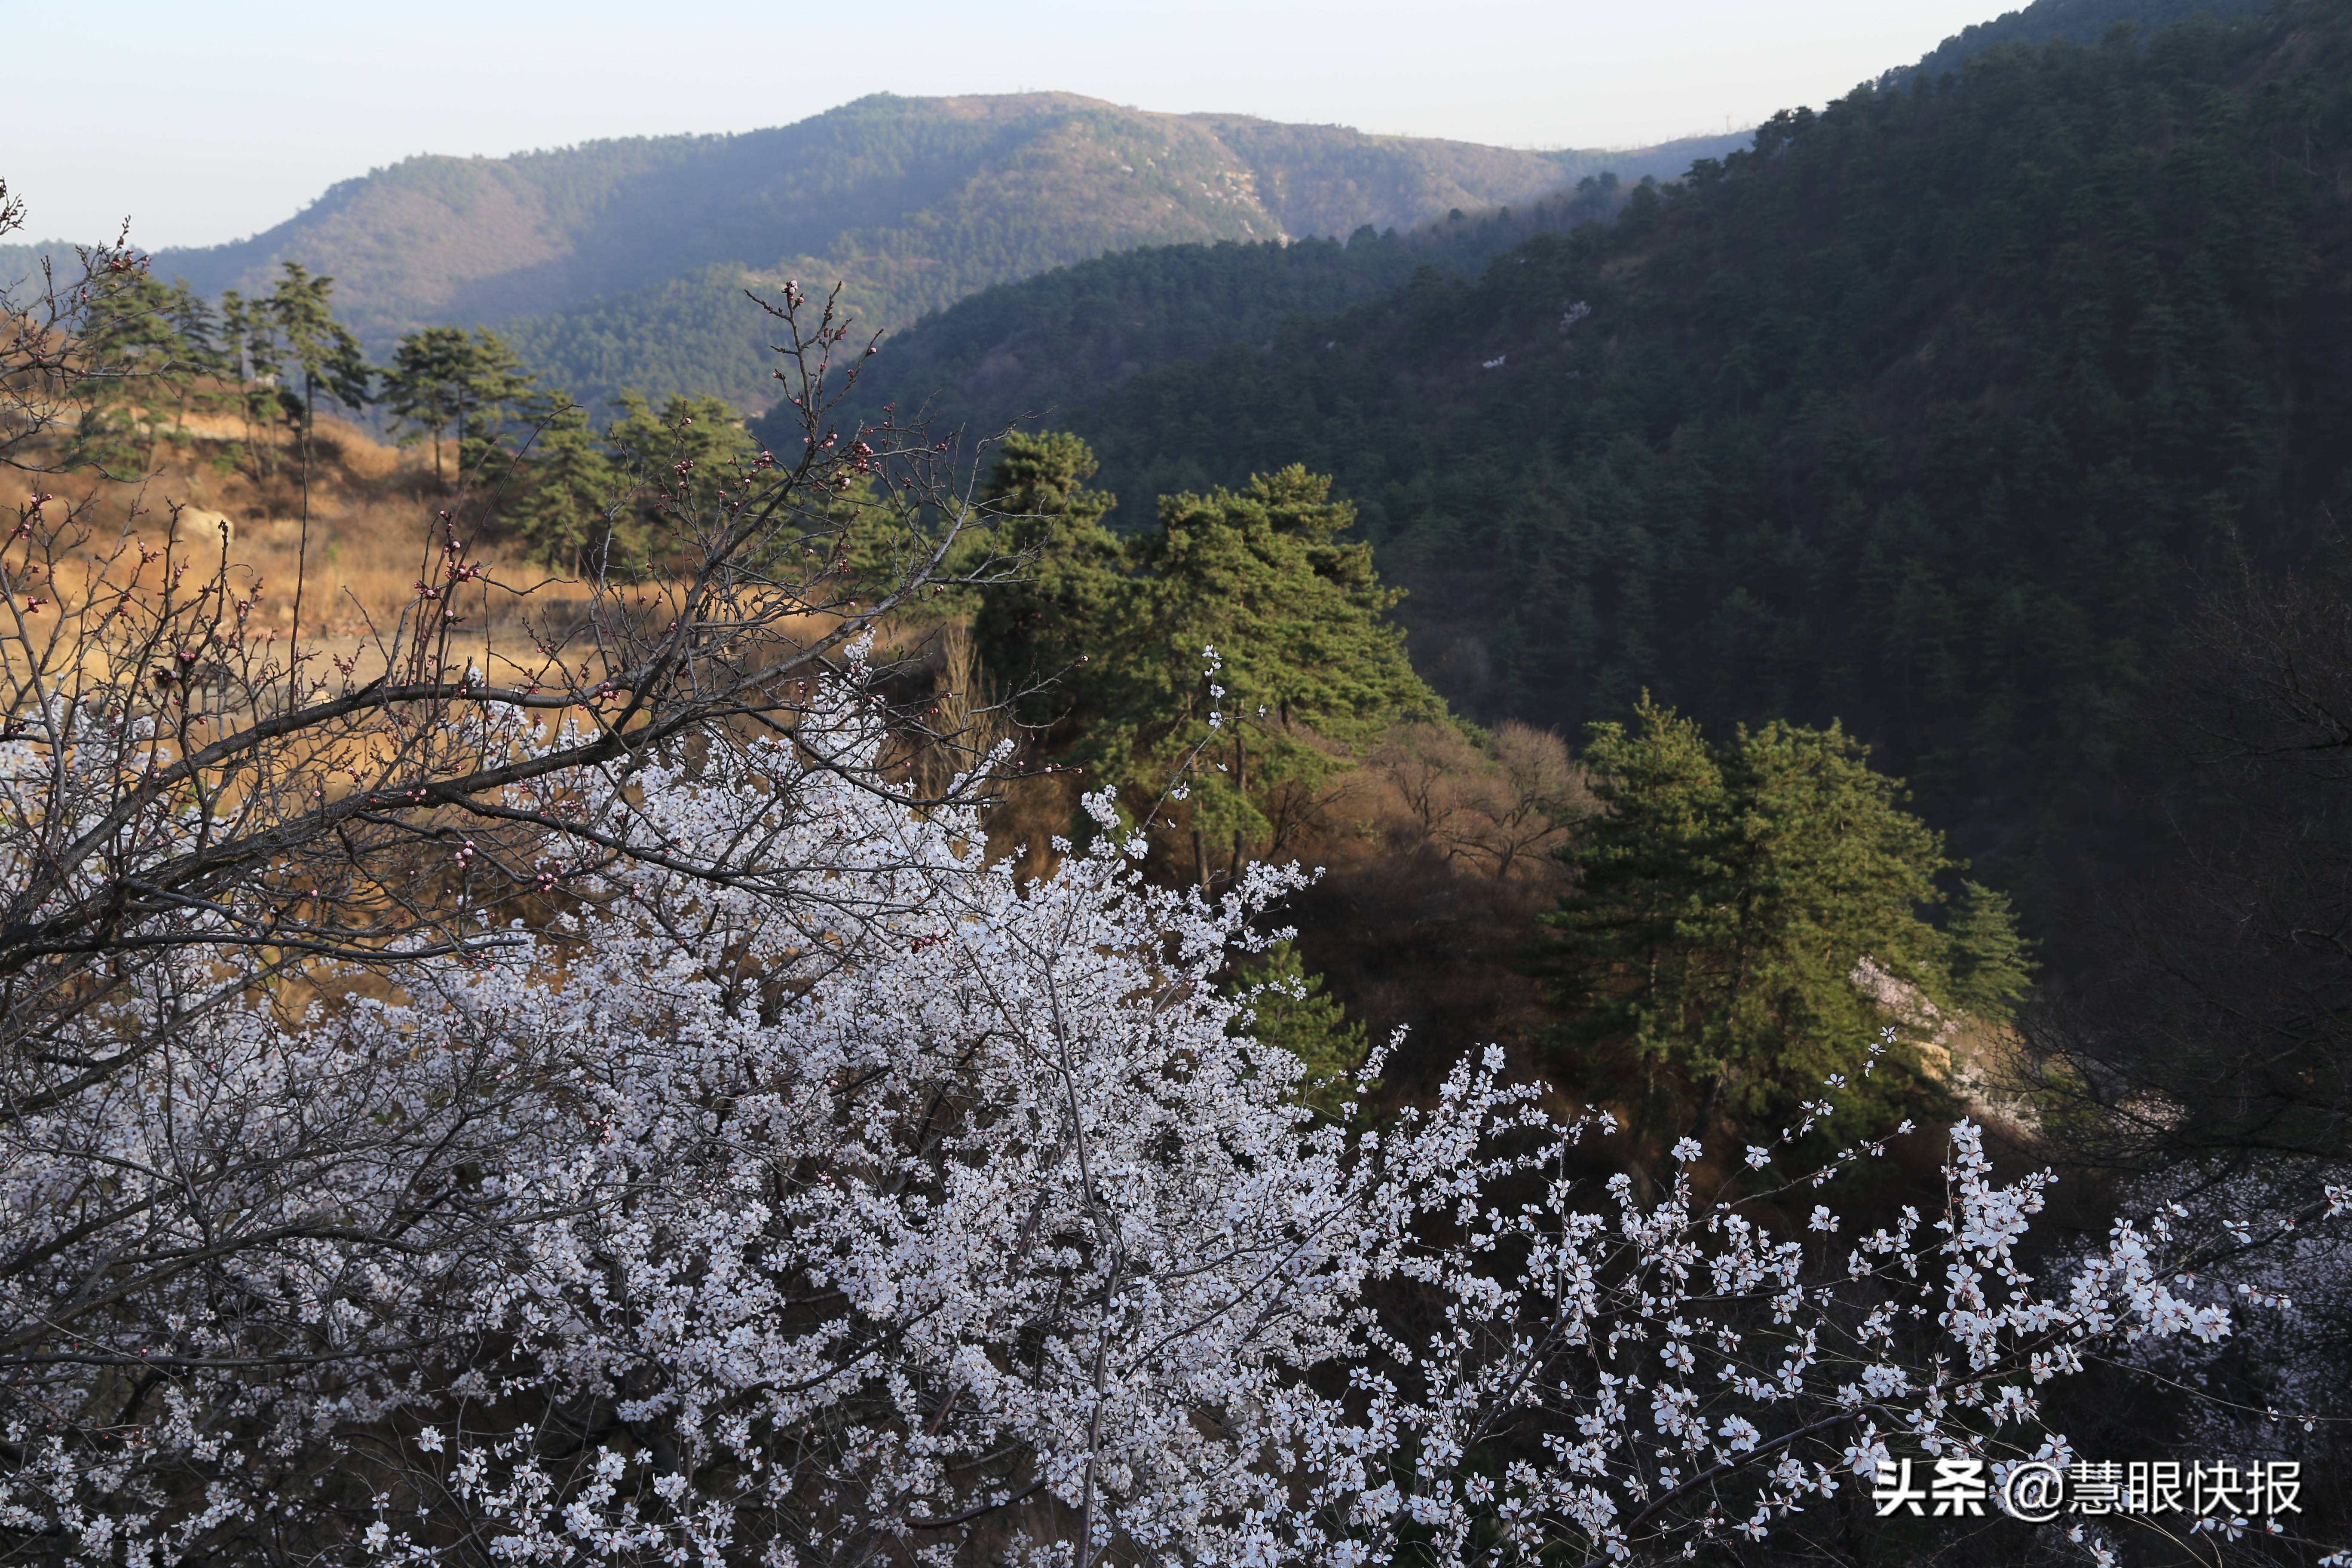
1926 413
624 260
18 262
1055 339
2083 21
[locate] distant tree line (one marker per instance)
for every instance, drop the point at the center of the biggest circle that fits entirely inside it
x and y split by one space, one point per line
567 487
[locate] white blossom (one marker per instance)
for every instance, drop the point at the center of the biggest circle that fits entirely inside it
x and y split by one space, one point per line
794 1219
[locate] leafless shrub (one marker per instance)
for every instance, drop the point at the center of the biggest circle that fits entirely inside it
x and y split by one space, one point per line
1499 808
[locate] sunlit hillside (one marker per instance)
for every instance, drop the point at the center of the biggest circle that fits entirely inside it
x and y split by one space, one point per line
620 262
915 200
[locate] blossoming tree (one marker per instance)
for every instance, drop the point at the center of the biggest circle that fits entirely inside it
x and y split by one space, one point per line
796 1186
925 1213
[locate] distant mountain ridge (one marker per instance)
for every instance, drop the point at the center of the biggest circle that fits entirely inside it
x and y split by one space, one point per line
913 201
1050 343
2080 22
622 263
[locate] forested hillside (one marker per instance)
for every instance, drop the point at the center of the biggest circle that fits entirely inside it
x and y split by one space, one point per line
1049 342
2073 21
631 255
691 333
1923 415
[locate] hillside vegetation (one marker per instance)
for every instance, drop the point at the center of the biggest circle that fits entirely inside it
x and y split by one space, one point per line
1923 415
2083 21
627 256
1051 341
628 983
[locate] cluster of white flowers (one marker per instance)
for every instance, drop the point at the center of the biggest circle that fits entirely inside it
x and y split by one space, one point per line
899 1203
2271 1250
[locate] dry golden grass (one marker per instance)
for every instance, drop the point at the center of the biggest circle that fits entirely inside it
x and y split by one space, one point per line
362 529
375 525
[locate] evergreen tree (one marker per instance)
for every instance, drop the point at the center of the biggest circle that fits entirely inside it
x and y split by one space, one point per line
147 345
249 357
701 434
198 355
425 386
1992 965
300 315
1243 618
443 378
135 351
676 457
289 331
1732 903
569 497
1306 660
1290 1008
1039 628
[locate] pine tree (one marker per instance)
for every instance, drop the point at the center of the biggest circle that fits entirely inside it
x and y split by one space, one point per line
489 388
1309 671
423 386
1991 965
134 351
249 356
1243 618
1290 1008
701 432
300 314
1731 905
679 458
198 352
1037 629
569 505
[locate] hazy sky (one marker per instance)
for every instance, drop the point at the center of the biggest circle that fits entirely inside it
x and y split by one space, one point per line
207 121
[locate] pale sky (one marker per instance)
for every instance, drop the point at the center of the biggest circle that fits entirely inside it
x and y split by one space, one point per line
207 121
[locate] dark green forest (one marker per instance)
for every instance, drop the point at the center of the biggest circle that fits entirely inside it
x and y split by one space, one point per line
1929 414
1048 342
2070 22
